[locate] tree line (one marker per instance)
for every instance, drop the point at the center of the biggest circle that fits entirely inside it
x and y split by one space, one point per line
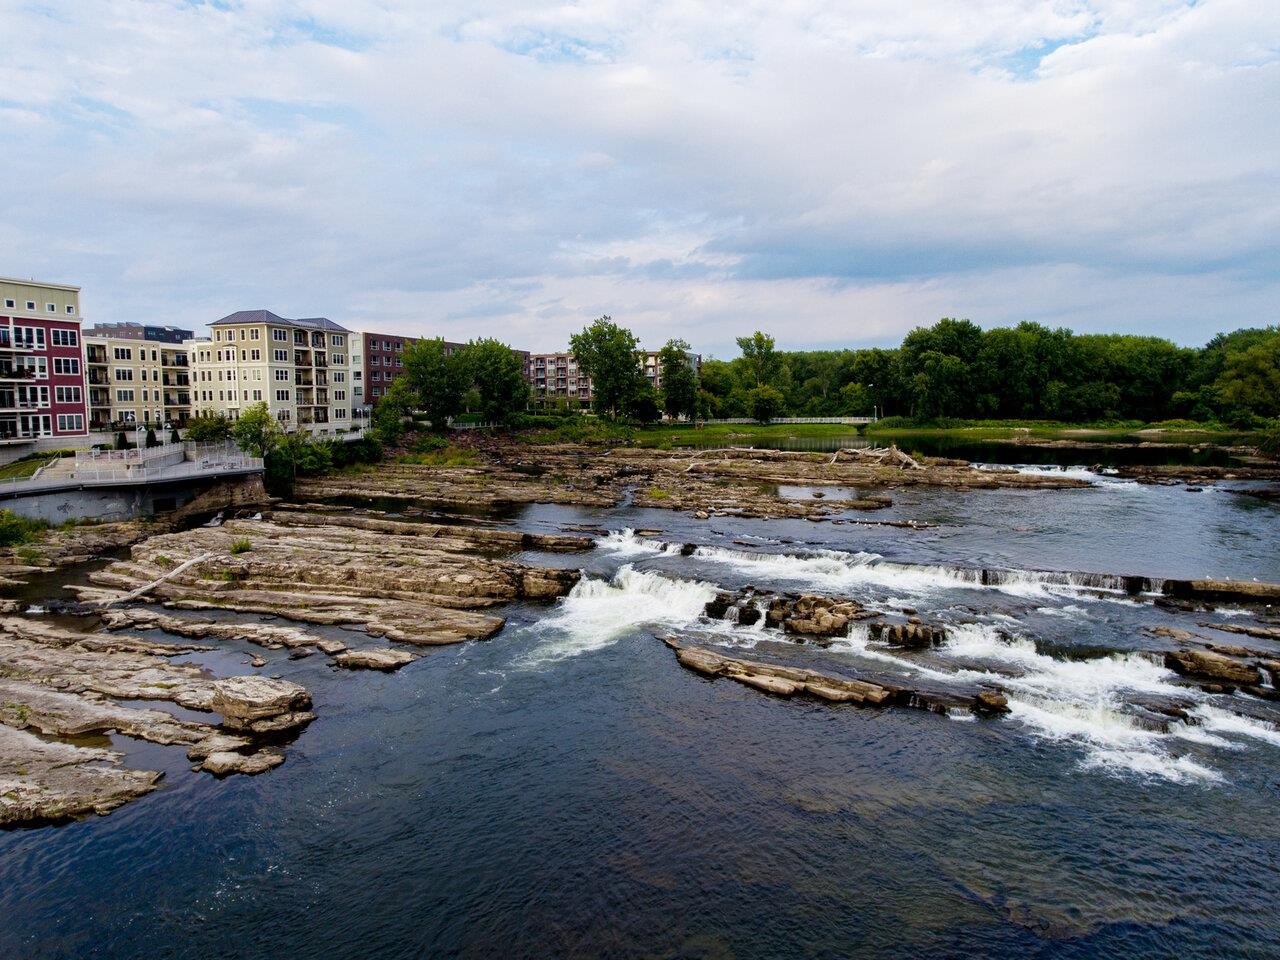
955 369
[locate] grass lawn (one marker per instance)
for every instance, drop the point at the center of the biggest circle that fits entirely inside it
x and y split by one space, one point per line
23 468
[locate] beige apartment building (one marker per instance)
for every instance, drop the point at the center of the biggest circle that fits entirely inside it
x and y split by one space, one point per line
134 379
299 368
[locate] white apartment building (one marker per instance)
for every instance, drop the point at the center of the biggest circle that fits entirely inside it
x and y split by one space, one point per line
299 368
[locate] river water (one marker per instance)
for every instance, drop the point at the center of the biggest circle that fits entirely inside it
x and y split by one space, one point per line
566 789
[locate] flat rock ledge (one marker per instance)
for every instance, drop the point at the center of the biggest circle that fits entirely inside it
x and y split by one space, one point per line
374 658
59 682
784 681
49 782
418 583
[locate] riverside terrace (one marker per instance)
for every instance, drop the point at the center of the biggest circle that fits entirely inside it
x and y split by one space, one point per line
120 484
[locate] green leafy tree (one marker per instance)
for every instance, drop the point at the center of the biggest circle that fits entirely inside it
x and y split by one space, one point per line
389 411
209 428
1250 379
643 404
679 380
766 403
497 376
607 354
438 381
761 360
256 431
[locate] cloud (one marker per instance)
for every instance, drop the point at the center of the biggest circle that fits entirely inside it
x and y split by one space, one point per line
834 173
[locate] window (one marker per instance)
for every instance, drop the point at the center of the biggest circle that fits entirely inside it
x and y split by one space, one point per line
242 333
339 414
31 305
280 335
255 334
64 338
51 307
339 395
71 421
255 354
282 395
339 376
217 336
282 356
244 354
71 311
336 341
9 304
66 365
123 353
257 395
143 371
124 396
282 375
146 394
337 359
123 373
68 395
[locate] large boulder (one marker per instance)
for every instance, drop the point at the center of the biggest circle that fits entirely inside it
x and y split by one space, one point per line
374 658
1215 667
247 702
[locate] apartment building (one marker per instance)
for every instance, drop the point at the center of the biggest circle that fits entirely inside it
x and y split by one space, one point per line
137 374
383 361
42 388
299 368
140 331
556 375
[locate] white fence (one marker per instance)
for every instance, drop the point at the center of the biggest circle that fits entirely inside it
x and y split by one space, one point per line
845 420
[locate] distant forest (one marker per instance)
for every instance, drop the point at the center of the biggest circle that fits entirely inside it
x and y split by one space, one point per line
955 369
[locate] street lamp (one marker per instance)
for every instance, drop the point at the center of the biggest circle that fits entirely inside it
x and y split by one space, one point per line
873 406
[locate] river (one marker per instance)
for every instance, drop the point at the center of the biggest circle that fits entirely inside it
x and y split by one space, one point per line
565 789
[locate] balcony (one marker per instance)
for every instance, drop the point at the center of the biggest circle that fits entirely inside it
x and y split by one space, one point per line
97 354
321 359
172 360
10 342
302 379
176 380
99 377
302 358
20 373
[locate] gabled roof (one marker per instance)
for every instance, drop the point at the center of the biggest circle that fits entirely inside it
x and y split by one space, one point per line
266 316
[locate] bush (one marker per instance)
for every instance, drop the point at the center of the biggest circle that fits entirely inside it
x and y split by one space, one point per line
242 545
428 443
1269 442
766 403
15 529
151 439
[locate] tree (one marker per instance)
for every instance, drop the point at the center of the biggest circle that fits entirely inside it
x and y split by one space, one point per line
257 431
390 410
151 440
760 358
209 428
1250 379
122 441
498 378
437 380
679 380
174 435
766 403
607 354
643 405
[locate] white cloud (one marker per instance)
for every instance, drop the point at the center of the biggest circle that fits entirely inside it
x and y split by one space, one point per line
840 171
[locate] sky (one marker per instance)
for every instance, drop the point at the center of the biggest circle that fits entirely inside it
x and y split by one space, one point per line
834 174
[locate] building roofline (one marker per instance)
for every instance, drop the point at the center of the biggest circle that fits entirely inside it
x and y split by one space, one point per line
40 283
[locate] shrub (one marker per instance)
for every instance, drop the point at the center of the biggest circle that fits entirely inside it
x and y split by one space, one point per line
15 529
1269 442
242 545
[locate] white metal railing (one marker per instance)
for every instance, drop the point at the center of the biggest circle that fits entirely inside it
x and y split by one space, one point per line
111 471
849 420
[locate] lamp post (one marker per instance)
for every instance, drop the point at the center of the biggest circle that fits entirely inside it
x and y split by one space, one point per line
871 386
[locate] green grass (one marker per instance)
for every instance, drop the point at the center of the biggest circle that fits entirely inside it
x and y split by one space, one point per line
735 434
444 457
241 545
